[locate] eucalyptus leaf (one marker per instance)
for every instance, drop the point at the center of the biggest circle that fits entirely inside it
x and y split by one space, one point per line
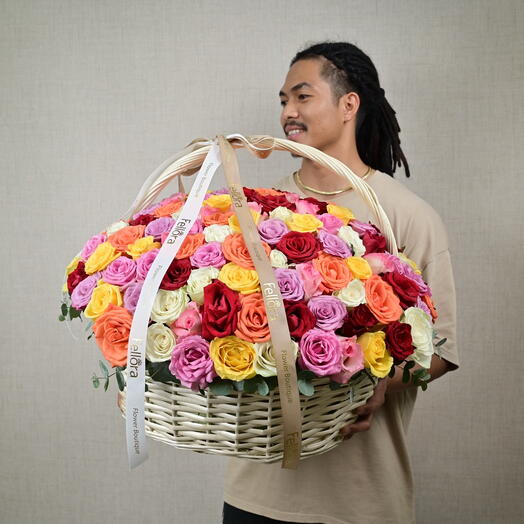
61 318
64 309
222 387
104 369
250 385
95 381
409 364
334 385
120 379
306 387
73 313
440 342
262 387
238 385
106 384
405 375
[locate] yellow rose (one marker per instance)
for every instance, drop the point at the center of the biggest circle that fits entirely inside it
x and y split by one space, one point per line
72 265
304 223
233 357
233 221
376 357
412 263
359 267
103 295
141 246
222 202
341 212
239 279
101 257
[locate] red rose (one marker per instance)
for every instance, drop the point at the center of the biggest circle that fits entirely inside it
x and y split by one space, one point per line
358 321
299 247
299 318
177 274
399 341
405 288
268 202
322 206
142 220
75 277
374 241
220 311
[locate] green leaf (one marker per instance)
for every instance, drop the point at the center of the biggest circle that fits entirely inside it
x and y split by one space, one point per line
106 384
250 385
61 318
335 385
120 379
409 364
64 309
391 373
306 374
90 336
440 342
159 371
306 387
238 385
406 375
272 382
95 381
73 313
221 387
262 387
89 324
104 369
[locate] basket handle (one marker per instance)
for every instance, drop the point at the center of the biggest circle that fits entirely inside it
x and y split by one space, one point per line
190 159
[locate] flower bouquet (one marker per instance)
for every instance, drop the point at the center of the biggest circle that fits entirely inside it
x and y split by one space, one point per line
354 310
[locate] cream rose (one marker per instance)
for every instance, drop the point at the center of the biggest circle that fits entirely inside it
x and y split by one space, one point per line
217 233
168 305
198 280
353 294
351 238
265 362
160 343
282 213
422 335
278 259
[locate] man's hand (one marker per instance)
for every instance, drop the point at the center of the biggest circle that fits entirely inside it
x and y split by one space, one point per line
365 412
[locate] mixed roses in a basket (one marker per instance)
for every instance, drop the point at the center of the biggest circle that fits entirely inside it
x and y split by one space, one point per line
351 306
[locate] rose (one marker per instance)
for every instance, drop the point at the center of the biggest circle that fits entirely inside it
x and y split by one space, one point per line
399 341
334 272
156 227
219 315
380 262
268 201
432 311
235 226
190 244
177 274
422 335
353 294
352 360
82 293
299 247
167 210
141 246
116 226
348 235
198 280
272 230
281 213
191 363
210 217
376 356
421 304
381 300
278 259
359 319
169 304
126 236
411 263
406 289
189 322
235 250
403 268
239 279
374 241
290 284
111 331
304 223
160 343
252 319
91 245
311 279
208 255
233 358
216 233
103 295
342 213
265 361
329 311
76 276
331 223
221 202
147 211
334 245
131 295
362 227
306 207
144 263
299 318
120 272
142 220
101 257
197 227
359 267
320 352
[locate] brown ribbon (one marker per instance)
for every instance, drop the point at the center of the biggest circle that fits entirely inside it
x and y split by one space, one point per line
280 337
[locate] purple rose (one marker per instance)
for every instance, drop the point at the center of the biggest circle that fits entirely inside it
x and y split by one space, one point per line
290 284
156 227
329 311
81 295
131 295
331 223
144 263
272 230
334 245
208 255
91 245
362 227
422 305
407 271
191 363
120 272
320 352
197 227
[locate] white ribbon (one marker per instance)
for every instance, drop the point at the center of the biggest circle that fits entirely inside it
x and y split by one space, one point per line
135 397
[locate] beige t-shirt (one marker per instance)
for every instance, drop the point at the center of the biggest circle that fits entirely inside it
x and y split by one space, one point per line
366 479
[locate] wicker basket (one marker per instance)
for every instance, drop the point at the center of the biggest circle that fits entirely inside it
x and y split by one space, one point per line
241 424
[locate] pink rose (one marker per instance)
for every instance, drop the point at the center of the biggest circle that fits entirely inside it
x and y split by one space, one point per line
290 284
352 360
311 279
320 352
156 227
144 263
362 227
305 207
131 295
120 272
331 223
196 227
81 295
189 322
381 262
208 255
91 245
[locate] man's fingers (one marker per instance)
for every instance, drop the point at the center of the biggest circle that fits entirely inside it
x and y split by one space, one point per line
363 423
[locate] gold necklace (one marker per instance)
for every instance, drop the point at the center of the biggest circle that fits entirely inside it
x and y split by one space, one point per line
296 176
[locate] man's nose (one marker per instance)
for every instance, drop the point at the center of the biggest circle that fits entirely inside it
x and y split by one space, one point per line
289 111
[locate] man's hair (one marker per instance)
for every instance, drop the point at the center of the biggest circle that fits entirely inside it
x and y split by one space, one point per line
349 69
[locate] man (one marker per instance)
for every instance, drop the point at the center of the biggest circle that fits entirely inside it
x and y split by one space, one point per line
332 100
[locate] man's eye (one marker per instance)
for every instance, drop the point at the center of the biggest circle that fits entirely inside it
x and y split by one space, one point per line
302 95
282 103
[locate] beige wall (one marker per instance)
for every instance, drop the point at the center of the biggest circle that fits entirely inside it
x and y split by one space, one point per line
94 95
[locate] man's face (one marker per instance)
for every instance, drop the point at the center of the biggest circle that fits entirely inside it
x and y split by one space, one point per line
309 113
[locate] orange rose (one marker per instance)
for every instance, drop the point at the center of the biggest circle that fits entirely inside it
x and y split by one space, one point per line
125 236
334 272
429 303
168 209
221 219
111 330
252 319
381 300
235 250
190 244
268 192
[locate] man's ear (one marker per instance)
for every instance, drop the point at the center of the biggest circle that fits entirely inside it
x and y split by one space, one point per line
350 104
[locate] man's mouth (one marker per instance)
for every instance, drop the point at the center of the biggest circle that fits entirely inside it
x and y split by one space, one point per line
293 132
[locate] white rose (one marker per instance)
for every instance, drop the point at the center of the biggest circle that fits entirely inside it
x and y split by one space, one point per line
160 343
198 280
265 363
116 226
353 294
282 213
169 304
278 259
351 238
216 233
422 335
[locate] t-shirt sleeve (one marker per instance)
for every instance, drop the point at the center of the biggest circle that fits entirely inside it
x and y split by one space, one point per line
438 273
